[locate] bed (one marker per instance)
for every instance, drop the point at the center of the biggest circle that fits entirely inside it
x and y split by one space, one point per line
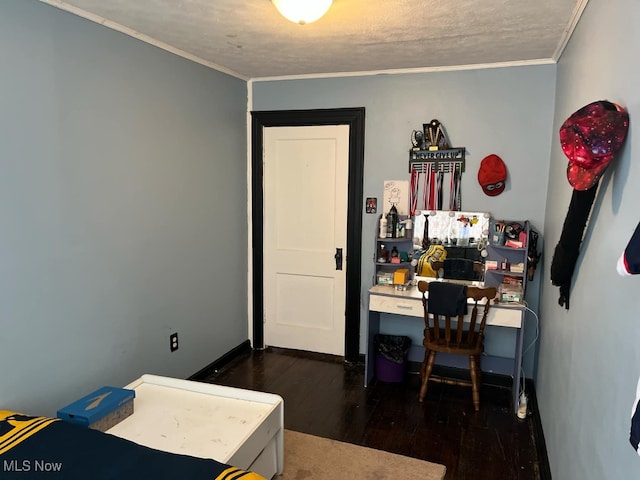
179 429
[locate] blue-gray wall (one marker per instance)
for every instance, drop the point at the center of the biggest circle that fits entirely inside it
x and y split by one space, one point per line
589 358
122 209
506 111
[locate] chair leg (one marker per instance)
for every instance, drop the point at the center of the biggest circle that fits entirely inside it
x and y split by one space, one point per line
423 369
474 367
427 367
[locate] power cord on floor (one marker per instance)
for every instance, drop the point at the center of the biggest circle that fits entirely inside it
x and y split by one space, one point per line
522 401
533 342
522 406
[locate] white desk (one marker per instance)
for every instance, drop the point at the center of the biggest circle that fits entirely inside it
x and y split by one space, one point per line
386 299
239 427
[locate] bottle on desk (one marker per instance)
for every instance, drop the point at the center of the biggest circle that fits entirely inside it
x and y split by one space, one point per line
383 254
383 227
395 255
504 266
392 222
408 228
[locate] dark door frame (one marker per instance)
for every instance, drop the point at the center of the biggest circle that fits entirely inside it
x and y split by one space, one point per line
354 117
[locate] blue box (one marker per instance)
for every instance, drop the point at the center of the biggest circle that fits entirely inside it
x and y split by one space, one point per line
101 409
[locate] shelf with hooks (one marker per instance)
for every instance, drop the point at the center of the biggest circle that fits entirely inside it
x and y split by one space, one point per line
441 160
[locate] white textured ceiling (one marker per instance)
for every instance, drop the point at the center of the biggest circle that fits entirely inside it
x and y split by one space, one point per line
250 39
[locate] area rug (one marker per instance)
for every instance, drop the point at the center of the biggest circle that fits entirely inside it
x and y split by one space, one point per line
307 457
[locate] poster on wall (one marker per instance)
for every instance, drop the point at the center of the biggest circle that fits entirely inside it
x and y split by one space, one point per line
396 192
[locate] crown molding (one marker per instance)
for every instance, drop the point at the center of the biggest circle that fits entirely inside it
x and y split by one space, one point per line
400 71
566 35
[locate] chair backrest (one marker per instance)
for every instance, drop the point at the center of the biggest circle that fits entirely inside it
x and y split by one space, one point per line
452 331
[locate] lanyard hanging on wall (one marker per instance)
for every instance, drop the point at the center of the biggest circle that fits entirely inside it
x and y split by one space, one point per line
455 194
426 187
432 188
413 192
440 184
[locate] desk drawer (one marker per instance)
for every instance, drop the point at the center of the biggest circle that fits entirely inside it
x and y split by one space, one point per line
398 306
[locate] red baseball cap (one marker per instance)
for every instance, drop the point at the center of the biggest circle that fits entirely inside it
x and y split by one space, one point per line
492 175
590 138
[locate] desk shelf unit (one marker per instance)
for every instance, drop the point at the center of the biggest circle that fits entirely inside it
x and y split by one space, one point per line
402 244
498 252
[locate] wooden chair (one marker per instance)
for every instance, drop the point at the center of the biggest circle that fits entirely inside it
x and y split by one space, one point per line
451 334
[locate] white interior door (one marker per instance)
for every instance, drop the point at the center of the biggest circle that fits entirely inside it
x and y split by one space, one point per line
305 221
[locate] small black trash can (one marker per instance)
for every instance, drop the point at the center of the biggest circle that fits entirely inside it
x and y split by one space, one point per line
391 357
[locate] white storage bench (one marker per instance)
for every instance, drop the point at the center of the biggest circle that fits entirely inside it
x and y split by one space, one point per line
239 427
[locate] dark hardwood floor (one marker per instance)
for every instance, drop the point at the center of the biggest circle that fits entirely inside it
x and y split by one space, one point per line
327 398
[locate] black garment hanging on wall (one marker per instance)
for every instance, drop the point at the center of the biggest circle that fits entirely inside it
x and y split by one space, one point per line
567 250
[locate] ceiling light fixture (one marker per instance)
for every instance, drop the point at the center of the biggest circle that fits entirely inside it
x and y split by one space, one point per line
302 11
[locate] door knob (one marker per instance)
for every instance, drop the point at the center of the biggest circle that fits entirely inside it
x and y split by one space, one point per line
338 258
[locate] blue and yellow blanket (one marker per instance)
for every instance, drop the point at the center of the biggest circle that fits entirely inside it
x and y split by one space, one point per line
43 448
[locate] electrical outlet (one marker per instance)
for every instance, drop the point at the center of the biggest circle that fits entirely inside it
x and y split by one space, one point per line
173 342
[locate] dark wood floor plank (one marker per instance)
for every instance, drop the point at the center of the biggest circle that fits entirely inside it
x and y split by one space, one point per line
327 398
